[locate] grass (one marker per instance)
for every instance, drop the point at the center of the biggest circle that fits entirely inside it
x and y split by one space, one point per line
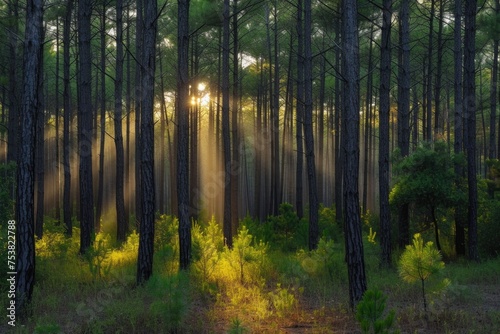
281 291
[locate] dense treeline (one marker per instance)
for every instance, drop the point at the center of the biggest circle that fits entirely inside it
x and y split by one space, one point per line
125 110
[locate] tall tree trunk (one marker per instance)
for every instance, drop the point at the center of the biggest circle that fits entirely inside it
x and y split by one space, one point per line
30 107
299 202
308 130
39 159
67 212
404 110
102 137
367 130
470 118
235 131
428 93
438 123
146 234
385 109
56 166
338 148
121 218
137 110
350 69
227 229
492 154
183 133
85 125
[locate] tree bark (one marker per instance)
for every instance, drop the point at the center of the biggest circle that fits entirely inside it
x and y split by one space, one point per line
183 133
299 201
25 239
85 125
67 212
385 109
227 229
404 110
121 218
146 235
350 70
470 118
308 130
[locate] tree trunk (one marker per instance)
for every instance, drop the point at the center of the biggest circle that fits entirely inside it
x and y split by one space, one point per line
299 202
235 132
85 125
147 194
30 107
385 109
227 229
102 137
428 94
67 212
438 123
137 110
39 160
492 154
470 118
350 70
121 218
404 110
308 130
183 133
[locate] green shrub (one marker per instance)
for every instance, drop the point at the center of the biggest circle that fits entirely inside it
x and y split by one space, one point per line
282 300
419 262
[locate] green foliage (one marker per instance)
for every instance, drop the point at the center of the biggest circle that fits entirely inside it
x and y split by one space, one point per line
207 247
282 300
426 177
328 227
246 252
321 262
97 257
171 299
237 327
489 228
288 231
370 313
49 328
419 262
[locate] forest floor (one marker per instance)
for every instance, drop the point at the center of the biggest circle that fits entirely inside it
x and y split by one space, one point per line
295 292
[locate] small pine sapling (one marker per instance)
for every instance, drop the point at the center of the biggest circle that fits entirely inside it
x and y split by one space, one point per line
418 262
370 313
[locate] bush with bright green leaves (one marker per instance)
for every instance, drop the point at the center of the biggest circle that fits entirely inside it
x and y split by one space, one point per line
371 314
419 262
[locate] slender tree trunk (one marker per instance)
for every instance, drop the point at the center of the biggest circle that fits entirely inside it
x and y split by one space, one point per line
67 212
492 154
385 109
85 125
308 130
30 107
404 110
438 123
227 229
299 203
137 110
146 234
339 152
183 133
57 126
367 129
470 118
235 132
428 94
121 217
350 70
102 137
39 160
